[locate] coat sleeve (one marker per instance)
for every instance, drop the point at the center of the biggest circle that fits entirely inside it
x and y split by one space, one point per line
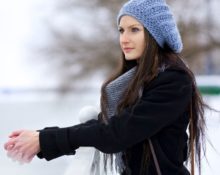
162 102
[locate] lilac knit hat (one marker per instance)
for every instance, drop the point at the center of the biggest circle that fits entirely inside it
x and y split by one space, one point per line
156 17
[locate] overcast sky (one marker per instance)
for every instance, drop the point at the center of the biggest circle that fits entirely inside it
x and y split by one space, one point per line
16 26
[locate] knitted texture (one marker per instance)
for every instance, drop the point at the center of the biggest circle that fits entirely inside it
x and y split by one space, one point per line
156 17
115 89
114 93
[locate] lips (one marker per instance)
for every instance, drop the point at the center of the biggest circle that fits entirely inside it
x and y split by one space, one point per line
127 49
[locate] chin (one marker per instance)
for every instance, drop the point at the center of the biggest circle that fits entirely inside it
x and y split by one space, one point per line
130 58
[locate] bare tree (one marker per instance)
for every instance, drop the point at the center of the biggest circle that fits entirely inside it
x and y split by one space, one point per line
94 45
199 31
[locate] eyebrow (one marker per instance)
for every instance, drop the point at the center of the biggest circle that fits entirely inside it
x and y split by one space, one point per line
131 25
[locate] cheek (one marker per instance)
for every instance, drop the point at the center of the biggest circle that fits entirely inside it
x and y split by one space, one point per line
120 41
142 45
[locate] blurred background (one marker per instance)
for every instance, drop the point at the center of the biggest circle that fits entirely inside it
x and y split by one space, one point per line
56 54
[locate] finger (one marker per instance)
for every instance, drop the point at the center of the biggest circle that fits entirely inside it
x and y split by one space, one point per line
12 154
16 155
10 144
28 159
27 155
19 157
15 133
9 147
14 150
6 145
24 157
9 154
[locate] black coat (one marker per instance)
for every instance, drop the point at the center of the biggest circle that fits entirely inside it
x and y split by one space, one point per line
161 114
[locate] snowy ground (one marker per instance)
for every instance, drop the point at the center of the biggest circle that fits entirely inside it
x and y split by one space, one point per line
19 113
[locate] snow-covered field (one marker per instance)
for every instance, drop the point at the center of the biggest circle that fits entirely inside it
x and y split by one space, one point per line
35 112
21 24
17 113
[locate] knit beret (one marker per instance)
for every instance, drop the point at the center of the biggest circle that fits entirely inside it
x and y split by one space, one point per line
156 17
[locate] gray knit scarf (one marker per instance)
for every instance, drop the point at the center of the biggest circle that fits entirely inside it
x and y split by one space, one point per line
114 91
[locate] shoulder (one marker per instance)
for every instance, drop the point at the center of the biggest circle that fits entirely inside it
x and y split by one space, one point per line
171 77
174 74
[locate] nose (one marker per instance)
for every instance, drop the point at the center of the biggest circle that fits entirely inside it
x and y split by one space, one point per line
124 38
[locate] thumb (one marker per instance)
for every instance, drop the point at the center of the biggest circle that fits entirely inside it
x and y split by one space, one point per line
10 144
15 133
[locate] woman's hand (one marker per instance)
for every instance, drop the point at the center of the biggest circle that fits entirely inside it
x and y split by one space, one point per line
23 145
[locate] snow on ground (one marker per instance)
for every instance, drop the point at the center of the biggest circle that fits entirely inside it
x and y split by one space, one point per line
213 131
208 80
35 111
210 167
38 114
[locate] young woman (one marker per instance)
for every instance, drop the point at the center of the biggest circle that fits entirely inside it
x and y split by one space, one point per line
146 107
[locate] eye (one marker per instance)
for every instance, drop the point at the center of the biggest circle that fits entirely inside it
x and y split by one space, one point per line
135 29
121 30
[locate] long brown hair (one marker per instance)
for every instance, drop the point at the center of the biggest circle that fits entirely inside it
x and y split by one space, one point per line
147 69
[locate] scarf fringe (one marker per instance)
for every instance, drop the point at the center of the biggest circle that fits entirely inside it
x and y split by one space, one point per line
114 92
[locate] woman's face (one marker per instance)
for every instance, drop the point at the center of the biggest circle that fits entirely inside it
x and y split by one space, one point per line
132 39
